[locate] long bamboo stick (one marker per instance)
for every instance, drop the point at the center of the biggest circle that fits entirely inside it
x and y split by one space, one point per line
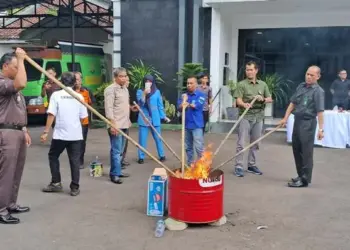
183 139
144 117
76 96
246 148
234 126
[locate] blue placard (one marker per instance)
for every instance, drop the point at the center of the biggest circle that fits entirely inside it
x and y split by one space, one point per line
156 196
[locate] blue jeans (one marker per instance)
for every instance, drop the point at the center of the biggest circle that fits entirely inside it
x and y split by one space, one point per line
194 139
143 135
117 144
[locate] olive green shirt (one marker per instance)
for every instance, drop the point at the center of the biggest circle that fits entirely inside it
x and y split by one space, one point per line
247 90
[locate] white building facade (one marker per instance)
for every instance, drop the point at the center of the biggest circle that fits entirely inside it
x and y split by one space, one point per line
230 17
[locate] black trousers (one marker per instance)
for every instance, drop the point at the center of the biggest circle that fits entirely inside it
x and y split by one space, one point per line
85 129
303 138
73 151
125 147
206 119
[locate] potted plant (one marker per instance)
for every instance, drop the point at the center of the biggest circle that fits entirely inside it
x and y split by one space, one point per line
169 109
137 71
279 88
189 69
232 112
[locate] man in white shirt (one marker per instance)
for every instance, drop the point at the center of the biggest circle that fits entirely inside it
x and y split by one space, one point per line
67 113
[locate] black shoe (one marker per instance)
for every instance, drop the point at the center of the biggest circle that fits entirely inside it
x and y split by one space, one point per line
162 159
74 191
53 188
298 184
116 180
124 175
141 161
8 219
254 170
18 210
125 163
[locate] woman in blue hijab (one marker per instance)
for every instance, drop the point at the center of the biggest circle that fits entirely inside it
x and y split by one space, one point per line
150 101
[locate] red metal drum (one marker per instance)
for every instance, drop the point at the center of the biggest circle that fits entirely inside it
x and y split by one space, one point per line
196 201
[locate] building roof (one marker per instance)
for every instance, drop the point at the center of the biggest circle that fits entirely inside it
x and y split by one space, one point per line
45 8
6 5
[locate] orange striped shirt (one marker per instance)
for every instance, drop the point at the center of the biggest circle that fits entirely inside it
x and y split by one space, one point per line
85 93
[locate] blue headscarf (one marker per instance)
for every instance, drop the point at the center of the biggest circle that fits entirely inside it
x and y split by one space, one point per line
153 90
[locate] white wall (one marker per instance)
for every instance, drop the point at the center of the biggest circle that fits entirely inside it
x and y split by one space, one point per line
255 15
221 43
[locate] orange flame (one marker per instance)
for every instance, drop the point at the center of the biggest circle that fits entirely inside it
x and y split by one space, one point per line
199 169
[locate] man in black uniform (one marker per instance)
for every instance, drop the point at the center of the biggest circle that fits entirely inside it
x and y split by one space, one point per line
14 137
306 103
340 90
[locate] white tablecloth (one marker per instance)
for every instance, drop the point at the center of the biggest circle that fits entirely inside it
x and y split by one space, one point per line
336 129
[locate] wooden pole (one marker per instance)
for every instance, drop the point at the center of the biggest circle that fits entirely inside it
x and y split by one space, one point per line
234 127
77 97
183 139
144 117
246 148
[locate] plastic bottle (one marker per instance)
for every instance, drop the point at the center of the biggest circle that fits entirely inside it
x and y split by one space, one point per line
160 228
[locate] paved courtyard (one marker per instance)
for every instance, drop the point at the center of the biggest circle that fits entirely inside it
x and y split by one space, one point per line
108 217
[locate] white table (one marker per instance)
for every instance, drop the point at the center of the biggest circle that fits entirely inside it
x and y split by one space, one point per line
336 129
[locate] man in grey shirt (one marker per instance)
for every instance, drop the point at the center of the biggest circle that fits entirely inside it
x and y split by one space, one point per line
306 104
340 90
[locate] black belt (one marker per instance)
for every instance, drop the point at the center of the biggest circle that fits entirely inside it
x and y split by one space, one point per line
11 126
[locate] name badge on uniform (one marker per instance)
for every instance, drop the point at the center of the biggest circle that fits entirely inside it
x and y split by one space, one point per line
305 100
18 98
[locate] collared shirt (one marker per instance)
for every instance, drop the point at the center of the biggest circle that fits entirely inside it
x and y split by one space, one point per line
341 89
12 104
68 112
207 92
194 116
308 101
86 95
117 107
247 90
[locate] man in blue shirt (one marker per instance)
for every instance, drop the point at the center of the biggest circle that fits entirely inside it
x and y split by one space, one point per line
194 101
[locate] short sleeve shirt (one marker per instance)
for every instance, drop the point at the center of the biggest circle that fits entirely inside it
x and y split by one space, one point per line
308 100
207 93
247 90
12 104
68 113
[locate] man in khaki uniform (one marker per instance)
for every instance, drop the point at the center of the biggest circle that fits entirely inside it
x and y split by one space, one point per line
14 136
117 110
252 124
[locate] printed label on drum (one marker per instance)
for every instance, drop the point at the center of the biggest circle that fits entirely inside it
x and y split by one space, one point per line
211 182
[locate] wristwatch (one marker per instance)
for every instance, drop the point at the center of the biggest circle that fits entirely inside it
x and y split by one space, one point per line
321 130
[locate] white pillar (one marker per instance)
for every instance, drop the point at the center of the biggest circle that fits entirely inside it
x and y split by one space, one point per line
234 54
116 33
215 62
195 31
